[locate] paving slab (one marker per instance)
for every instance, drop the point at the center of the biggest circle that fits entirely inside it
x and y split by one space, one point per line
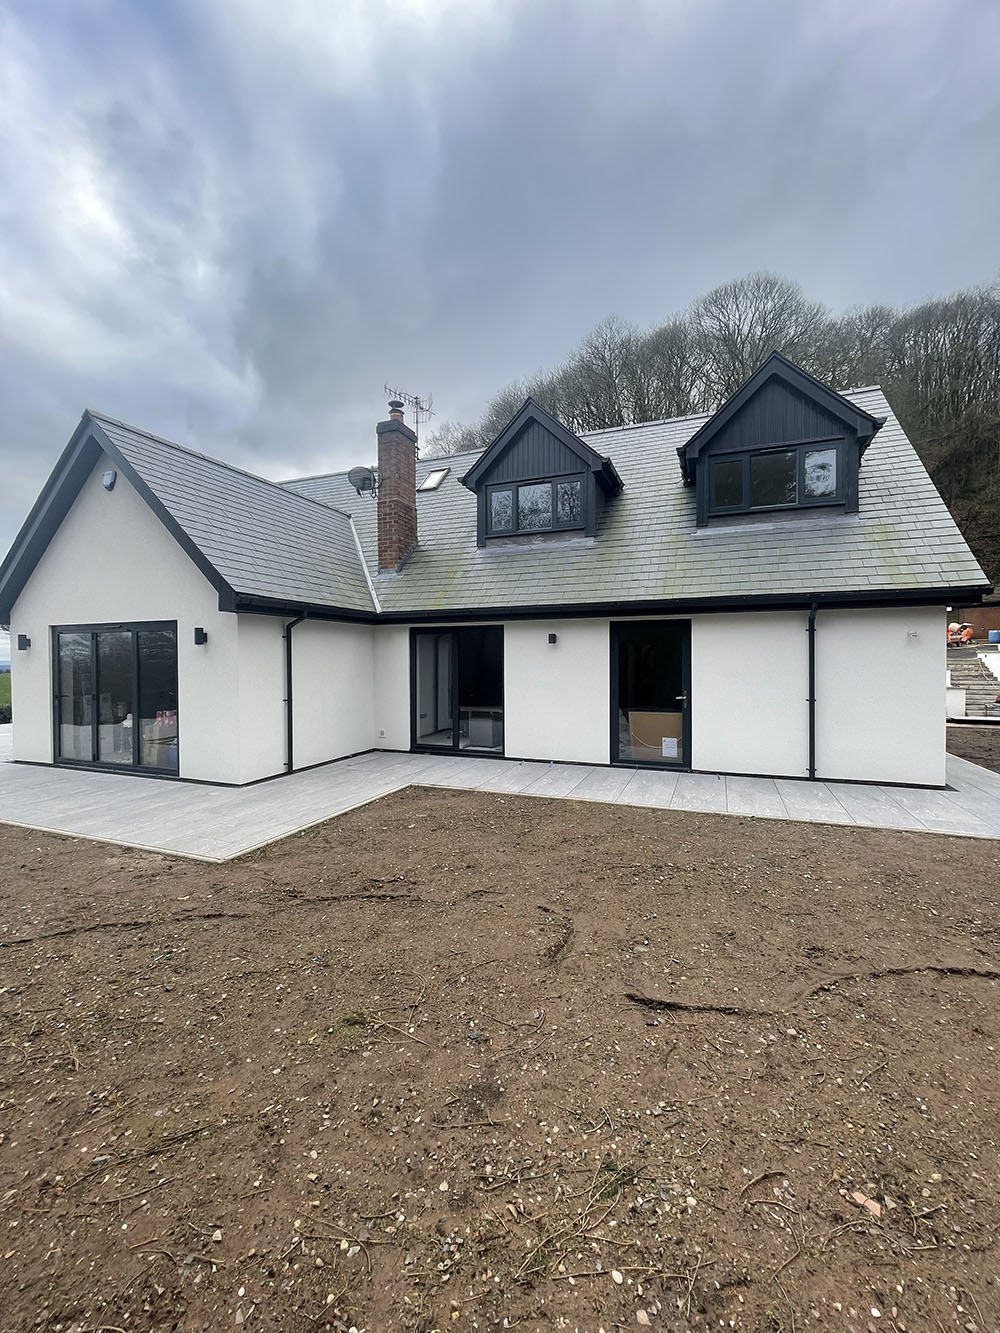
217 823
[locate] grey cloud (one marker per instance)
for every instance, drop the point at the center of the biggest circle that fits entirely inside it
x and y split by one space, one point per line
231 223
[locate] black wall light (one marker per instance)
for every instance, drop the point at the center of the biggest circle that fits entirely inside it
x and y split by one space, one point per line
553 638
200 635
23 643
108 480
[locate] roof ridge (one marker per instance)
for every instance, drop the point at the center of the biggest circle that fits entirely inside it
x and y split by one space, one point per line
218 462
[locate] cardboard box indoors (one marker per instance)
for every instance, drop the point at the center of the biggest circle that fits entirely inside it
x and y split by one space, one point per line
649 731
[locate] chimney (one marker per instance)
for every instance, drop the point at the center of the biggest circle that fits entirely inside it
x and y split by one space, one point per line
397 495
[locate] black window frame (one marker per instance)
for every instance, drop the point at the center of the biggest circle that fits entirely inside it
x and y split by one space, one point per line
802 501
135 628
553 482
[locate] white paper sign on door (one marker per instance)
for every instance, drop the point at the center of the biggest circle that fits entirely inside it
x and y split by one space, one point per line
668 746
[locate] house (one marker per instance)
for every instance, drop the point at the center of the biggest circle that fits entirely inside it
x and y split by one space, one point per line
757 591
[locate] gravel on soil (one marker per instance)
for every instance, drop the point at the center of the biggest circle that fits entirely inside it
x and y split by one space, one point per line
466 1061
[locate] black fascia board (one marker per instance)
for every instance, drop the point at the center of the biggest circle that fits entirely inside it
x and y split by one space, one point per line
532 411
64 484
862 423
278 606
872 598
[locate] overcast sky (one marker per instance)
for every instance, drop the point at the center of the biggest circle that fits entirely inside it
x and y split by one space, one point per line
230 221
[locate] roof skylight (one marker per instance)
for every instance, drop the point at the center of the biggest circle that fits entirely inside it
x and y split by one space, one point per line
434 479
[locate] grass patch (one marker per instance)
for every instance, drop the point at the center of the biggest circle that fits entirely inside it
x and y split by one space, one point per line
4 688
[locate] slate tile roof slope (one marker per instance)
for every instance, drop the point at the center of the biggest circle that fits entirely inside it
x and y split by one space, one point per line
265 540
648 546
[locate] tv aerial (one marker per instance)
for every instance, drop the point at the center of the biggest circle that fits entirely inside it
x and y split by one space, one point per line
421 408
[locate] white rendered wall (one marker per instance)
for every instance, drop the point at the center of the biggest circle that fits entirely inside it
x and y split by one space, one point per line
392 687
112 560
749 687
557 700
991 661
333 695
879 712
262 696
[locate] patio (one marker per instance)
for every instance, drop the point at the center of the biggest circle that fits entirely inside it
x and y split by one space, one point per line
217 823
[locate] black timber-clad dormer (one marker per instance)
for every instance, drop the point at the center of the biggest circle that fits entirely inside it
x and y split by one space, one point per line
783 441
538 478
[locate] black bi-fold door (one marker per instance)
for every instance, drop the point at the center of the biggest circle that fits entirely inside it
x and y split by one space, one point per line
650 693
116 696
457 689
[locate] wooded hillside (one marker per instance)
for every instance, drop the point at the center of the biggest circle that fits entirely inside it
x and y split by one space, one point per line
938 363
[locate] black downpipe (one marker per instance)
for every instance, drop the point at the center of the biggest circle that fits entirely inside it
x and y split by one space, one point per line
812 691
289 752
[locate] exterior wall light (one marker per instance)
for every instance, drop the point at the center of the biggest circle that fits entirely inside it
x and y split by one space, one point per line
553 638
200 636
23 643
108 480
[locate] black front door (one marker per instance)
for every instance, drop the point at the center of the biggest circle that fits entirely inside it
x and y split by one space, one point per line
116 696
457 689
650 692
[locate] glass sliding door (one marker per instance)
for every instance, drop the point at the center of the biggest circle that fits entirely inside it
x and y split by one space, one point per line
115 711
75 699
457 689
116 696
434 722
650 664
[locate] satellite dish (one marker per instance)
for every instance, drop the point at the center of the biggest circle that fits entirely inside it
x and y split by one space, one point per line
364 480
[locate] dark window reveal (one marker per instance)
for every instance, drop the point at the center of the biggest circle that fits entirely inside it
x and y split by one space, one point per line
775 479
535 506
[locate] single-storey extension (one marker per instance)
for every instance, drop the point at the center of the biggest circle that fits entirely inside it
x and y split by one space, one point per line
762 590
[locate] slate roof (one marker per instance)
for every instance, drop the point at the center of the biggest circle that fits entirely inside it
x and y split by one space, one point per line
648 547
264 540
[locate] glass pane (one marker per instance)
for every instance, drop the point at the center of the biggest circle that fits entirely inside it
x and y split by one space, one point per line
114 697
820 473
433 687
480 688
569 505
772 479
727 483
534 506
158 699
650 692
76 698
501 511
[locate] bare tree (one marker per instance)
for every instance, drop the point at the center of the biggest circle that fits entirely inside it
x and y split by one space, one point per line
451 437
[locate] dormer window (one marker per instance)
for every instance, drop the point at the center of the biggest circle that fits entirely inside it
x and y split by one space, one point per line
537 477
783 441
535 506
780 478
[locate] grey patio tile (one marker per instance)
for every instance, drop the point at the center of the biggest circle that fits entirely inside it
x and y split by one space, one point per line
754 796
649 787
699 791
875 807
603 784
812 801
559 780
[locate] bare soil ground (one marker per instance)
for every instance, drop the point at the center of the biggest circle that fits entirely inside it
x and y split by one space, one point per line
476 1062
980 745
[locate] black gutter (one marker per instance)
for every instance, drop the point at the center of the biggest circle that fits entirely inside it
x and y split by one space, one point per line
289 717
619 610
811 631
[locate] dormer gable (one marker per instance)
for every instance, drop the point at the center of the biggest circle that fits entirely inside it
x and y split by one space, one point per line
538 478
784 441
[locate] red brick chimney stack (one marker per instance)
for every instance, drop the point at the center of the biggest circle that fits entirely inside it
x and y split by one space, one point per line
397 496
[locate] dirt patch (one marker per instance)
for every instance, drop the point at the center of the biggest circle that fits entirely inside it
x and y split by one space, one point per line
470 1061
980 745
